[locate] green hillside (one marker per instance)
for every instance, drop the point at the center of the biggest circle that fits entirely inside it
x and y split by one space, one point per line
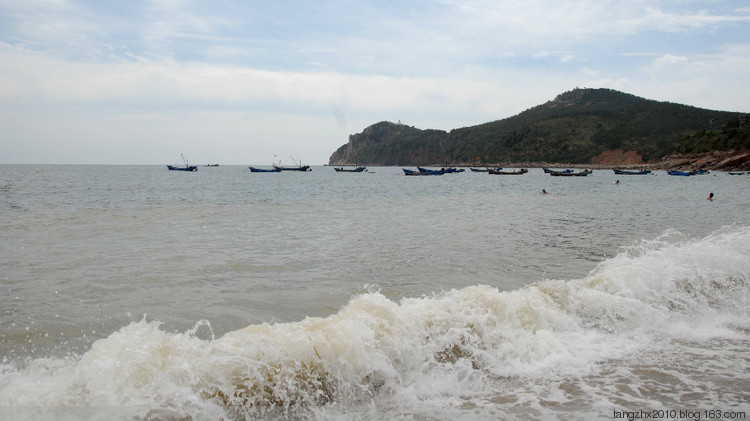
576 127
734 135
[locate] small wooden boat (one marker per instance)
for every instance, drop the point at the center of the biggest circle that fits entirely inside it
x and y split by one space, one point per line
449 170
549 171
631 172
681 173
254 169
583 173
186 167
357 169
425 172
686 173
519 172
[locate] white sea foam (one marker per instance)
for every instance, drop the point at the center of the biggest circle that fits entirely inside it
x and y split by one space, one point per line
547 349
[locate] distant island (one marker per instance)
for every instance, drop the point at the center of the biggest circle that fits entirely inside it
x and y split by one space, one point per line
585 127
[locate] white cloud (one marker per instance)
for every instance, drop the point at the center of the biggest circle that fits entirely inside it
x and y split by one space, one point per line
669 60
199 86
715 81
591 72
700 19
138 71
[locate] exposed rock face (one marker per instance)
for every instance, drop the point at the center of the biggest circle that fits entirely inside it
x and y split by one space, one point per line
387 143
718 160
618 157
371 136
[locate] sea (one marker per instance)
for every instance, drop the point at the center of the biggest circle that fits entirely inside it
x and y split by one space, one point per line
139 293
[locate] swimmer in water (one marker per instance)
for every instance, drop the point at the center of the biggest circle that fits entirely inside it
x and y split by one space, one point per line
710 196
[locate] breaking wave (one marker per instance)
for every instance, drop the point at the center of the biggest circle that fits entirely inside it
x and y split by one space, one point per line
465 353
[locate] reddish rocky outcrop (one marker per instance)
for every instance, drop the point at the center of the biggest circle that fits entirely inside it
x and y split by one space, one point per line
618 158
717 160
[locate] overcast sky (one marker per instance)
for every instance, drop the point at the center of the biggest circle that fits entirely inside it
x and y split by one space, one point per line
237 82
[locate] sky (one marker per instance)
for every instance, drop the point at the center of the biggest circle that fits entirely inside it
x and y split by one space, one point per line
249 82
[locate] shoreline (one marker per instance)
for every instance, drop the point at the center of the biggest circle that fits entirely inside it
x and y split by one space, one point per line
716 160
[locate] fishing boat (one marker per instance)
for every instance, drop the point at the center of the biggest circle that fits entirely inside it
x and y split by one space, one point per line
583 173
299 166
357 169
519 172
254 169
549 171
449 170
425 172
736 173
687 173
486 169
185 167
631 172
681 173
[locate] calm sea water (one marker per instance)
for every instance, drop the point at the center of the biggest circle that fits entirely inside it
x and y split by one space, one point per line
134 292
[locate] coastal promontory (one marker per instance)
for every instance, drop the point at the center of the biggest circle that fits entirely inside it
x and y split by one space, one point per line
581 127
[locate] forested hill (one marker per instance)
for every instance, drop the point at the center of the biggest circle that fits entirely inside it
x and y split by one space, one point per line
578 127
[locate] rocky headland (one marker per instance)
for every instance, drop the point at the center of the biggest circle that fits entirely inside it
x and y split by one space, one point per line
595 128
